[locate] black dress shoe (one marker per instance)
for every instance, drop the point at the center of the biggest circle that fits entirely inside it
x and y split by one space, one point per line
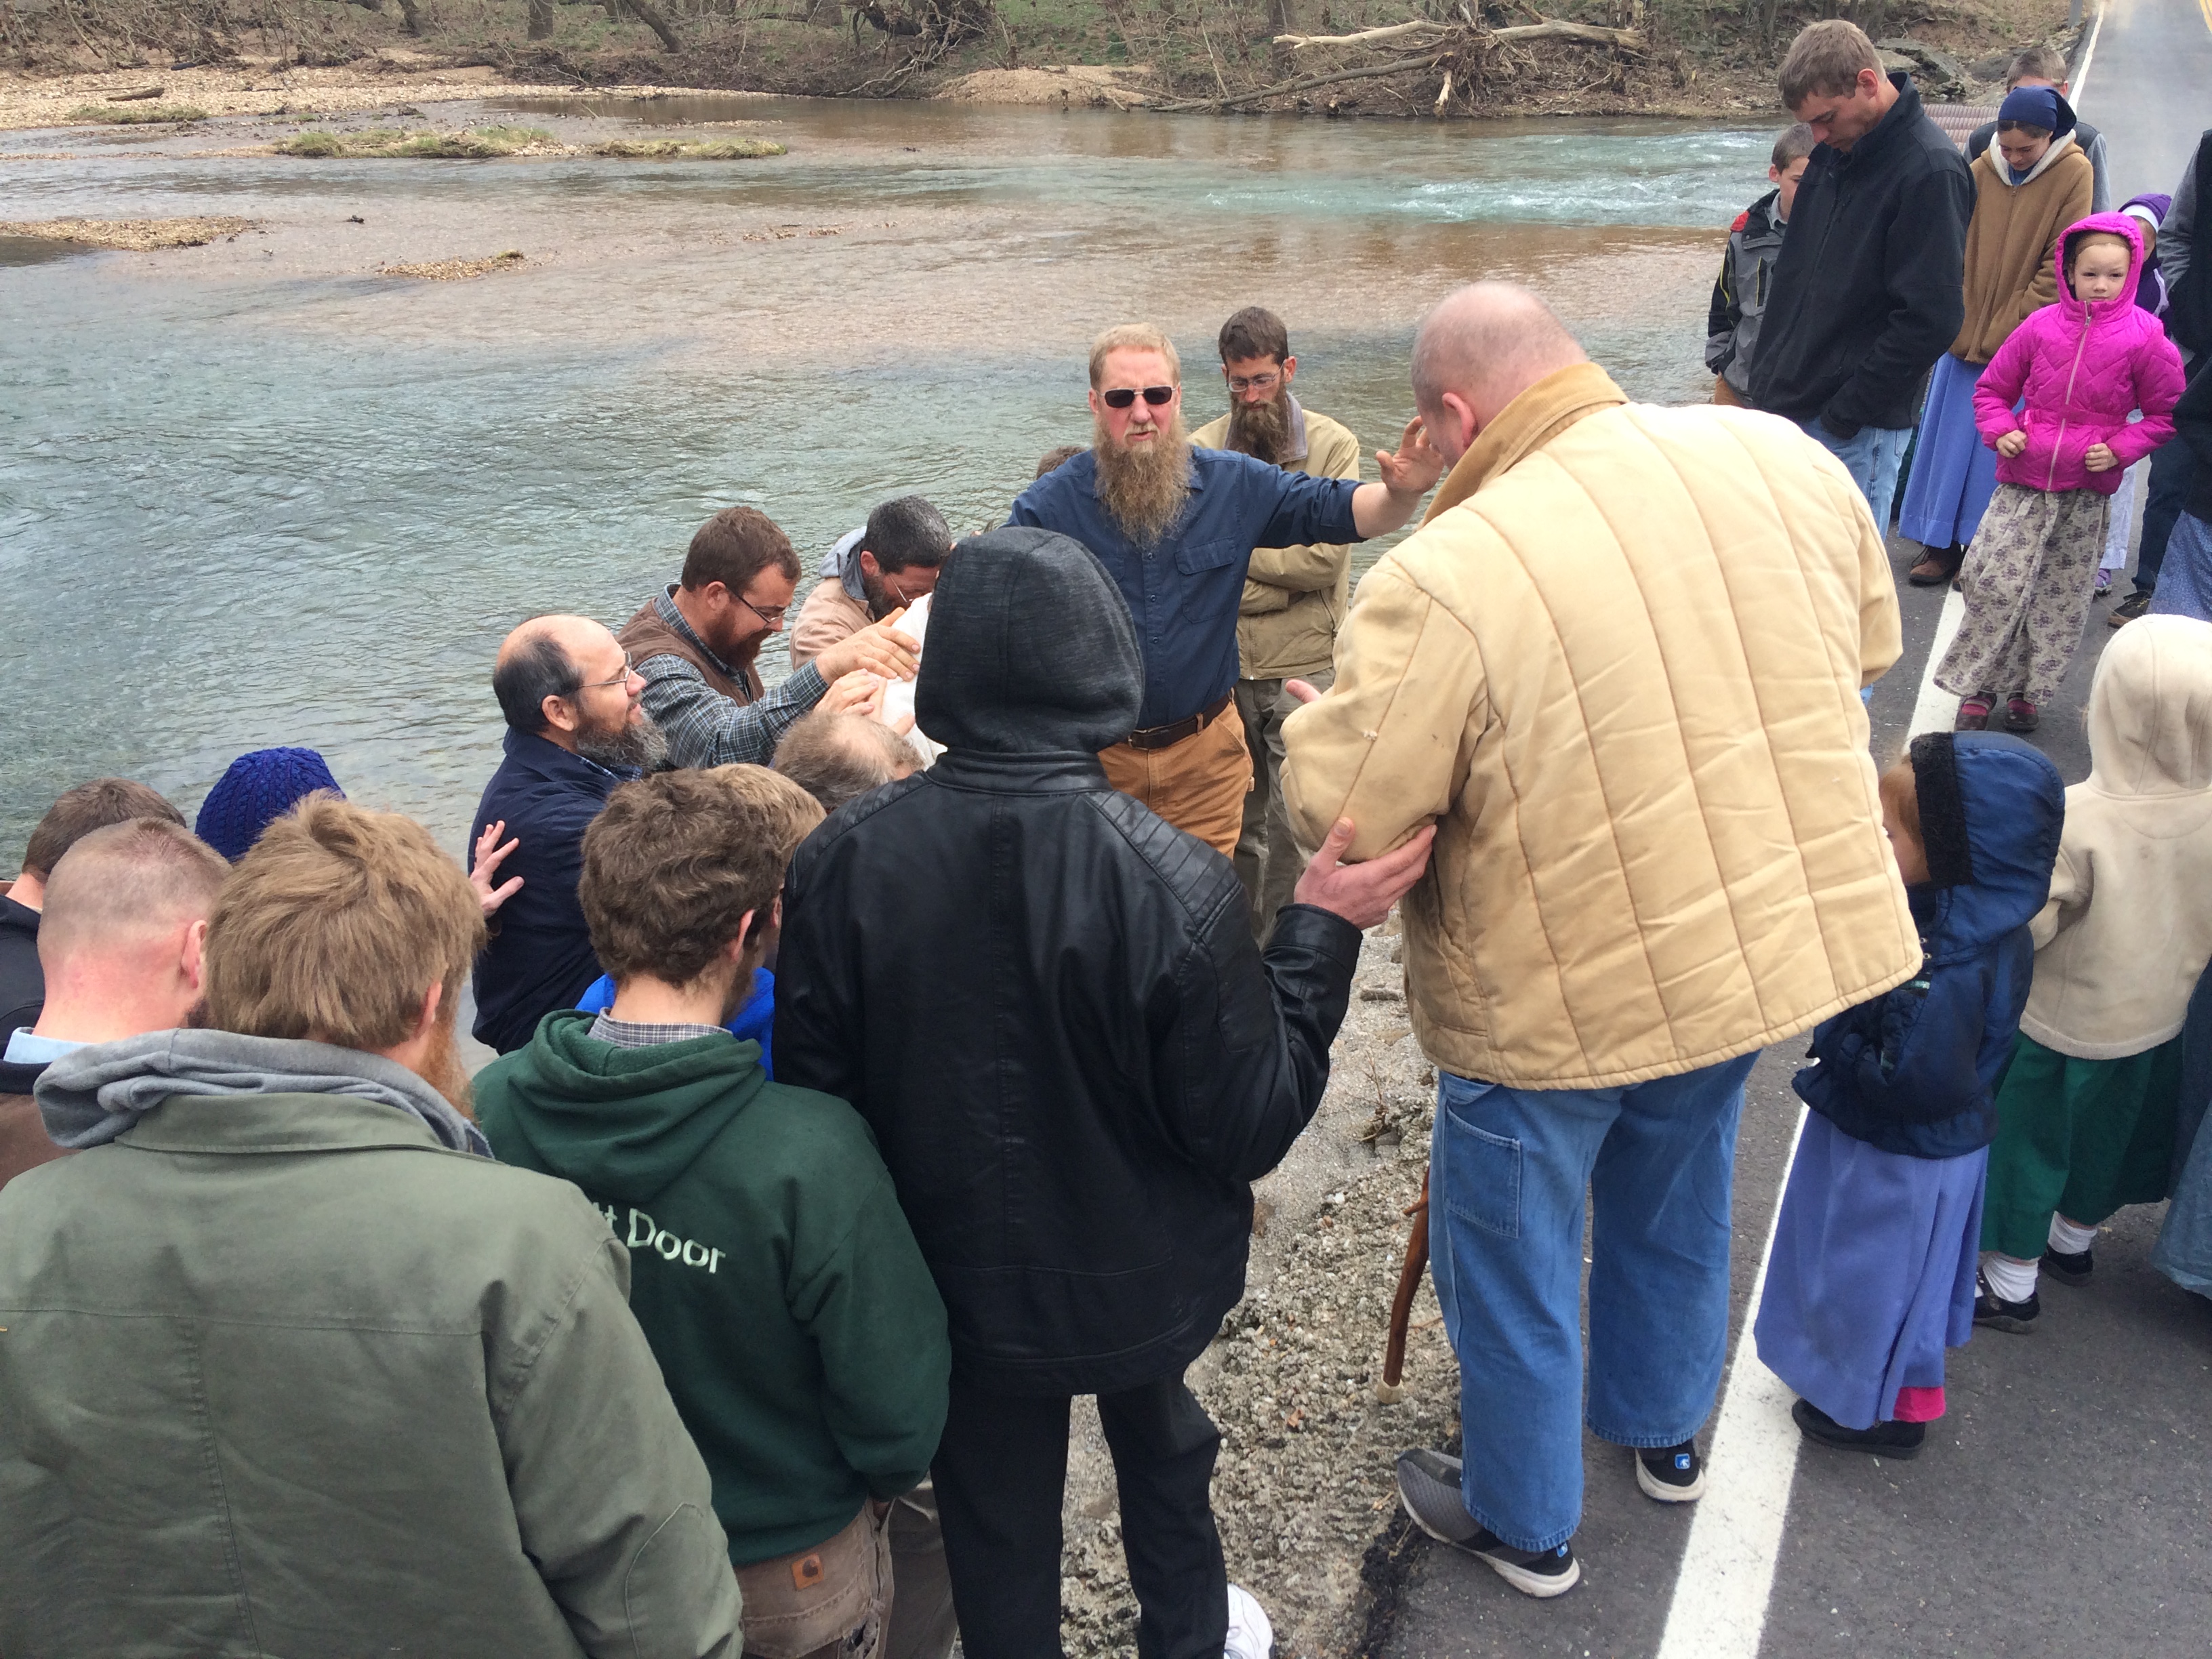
1882 1440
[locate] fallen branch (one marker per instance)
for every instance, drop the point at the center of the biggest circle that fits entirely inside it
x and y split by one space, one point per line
1589 34
1426 61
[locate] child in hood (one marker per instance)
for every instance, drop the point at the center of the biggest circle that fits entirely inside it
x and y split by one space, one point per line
2080 368
2085 1111
1872 1274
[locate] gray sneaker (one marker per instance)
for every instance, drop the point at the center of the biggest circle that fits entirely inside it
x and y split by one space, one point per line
1428 1485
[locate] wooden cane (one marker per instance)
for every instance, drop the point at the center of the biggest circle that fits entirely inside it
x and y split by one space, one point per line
1401 1305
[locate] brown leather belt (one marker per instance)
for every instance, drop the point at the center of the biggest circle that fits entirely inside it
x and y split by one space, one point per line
1166 737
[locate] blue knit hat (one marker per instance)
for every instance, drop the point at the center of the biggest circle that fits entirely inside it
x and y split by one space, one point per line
2036 106
259 788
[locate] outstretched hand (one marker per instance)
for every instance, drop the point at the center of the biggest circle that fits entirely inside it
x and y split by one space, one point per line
879 647
1362 893
1414 469
490 856
857 693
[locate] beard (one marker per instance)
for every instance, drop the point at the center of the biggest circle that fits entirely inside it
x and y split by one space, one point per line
1145 488
1262 430
641 746
442 1067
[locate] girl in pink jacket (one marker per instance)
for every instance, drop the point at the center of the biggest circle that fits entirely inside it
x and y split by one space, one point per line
2083 364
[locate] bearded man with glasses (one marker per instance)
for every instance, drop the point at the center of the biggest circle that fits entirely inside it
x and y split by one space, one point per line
1295 598
698 642
1175 527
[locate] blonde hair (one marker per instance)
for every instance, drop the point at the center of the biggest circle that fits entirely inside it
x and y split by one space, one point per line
2074 245
128 880
335 927
1132 336
1825 57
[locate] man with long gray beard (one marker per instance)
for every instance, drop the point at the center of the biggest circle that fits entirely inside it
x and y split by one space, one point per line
292 1365
1294 596
575 728
1174 526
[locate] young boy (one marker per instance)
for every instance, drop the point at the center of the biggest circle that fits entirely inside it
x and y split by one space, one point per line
1754 243
801 1336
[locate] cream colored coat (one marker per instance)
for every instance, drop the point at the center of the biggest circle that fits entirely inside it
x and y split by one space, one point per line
2129 928
1295 598
1618 668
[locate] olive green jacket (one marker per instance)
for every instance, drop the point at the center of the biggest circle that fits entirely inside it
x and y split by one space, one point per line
280 1375
1295 598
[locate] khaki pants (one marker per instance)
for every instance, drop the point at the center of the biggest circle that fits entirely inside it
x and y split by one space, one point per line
1198 785
922 1622
828 1602
1268 861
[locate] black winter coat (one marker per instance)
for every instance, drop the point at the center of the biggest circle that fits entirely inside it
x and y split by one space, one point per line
1047 1002
1870 287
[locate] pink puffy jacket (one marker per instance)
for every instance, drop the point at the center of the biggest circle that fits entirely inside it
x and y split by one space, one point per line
2084 366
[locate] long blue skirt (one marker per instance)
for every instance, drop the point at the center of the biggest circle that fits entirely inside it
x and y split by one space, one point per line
1872 1275
2185 1243
1954 472
2185 580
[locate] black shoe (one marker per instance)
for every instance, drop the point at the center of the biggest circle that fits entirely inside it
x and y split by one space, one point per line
1938 566
2068 1269
1672 1474
1884 1439
1428 1485
1999 1314
2129 609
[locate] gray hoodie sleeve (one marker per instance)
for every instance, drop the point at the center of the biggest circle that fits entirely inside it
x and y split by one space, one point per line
610 1497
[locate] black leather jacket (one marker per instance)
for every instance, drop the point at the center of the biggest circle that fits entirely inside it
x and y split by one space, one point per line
1047 1004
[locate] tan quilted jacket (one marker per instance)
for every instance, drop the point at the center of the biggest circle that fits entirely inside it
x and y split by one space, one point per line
1619 667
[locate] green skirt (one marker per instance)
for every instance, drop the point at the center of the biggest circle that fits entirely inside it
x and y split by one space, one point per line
2081 1136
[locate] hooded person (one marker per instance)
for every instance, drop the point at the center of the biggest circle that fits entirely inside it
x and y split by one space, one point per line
774 1275
2028 186
2086 1113
1048 1004
1871 1276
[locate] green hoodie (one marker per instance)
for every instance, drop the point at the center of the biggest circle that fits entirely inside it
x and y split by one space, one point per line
771 1266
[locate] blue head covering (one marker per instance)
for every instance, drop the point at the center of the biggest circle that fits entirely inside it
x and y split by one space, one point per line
2035 106
259 787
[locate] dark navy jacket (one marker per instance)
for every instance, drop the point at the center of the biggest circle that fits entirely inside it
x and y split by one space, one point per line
540 957
1915 1070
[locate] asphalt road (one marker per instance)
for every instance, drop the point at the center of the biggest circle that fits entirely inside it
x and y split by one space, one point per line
2061 1508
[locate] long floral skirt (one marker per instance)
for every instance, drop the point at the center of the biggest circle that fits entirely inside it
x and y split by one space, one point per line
2028 577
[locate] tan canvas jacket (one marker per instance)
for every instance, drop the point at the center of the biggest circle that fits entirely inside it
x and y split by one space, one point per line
2012 239
1295 598
1618 668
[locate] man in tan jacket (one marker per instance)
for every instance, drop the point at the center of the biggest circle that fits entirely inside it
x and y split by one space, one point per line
1619 667
1294 596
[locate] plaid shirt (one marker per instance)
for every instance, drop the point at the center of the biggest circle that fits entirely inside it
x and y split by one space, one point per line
704 727
640 1033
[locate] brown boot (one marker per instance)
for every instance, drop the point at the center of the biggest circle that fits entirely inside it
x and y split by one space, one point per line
1938 566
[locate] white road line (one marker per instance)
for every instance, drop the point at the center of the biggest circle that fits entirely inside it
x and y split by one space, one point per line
1936 708
2080 85
1719 1608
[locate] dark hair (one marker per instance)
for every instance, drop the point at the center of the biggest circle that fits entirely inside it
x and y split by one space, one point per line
1826 58
2037 63
733 547
1255 332
1052 459
907 531
674 860
78 812
2024 126
537 669
1796 143
840 758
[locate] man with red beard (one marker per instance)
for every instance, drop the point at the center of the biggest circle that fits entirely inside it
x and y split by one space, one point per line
1174 526
1294 596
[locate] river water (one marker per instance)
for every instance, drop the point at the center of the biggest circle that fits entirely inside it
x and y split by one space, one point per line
259 494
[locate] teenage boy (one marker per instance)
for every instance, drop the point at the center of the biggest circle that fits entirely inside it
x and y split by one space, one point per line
773 1271
1747 270
2045 66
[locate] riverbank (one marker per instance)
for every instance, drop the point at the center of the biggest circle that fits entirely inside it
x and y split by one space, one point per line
1655 58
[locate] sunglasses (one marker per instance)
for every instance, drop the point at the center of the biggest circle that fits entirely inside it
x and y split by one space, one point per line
1122 396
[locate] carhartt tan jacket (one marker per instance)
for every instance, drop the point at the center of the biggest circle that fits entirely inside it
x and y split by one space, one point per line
1619 667
2012 241
1295 598
2129 928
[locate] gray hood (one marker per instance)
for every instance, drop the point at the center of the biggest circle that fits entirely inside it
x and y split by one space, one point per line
92 1095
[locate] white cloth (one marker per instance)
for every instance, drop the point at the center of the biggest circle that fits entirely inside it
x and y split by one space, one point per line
898 695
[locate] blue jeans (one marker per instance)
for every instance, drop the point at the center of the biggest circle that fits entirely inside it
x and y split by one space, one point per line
1508 1170
1872 459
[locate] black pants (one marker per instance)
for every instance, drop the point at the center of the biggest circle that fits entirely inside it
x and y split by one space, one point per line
1001 1473
2172 468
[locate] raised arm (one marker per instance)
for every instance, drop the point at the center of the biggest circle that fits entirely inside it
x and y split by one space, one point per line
705 728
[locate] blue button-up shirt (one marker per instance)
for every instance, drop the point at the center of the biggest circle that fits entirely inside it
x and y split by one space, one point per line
1184 590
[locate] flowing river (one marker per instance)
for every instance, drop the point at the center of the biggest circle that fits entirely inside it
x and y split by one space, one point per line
258 493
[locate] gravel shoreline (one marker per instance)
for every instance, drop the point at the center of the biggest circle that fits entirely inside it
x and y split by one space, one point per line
1304 1490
